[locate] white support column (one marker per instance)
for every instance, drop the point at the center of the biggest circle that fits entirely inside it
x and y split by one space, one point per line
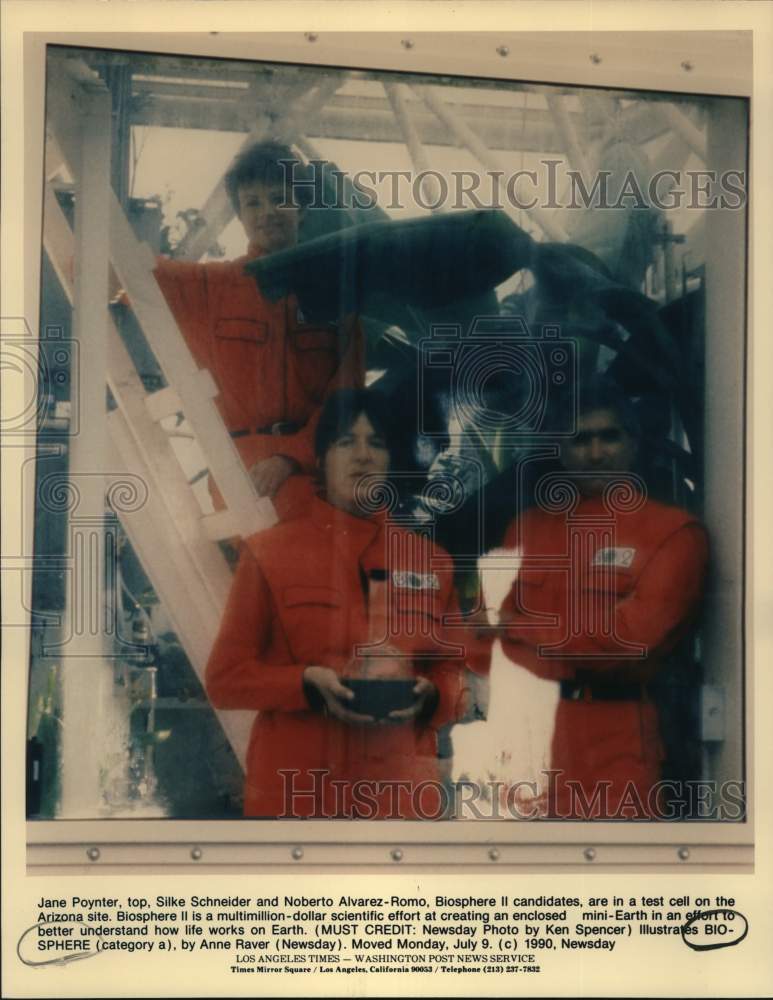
724 443
430 186
170 562
586 161
673 156
467 137
603 115
682 125
640 122
93 761
565 128
168 532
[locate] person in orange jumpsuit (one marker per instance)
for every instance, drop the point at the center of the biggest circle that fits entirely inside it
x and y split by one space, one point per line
341 591
273 369
609 581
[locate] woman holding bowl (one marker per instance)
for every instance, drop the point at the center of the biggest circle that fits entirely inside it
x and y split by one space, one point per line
343 594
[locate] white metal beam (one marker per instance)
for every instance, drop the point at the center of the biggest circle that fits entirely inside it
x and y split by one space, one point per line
682 125
397 94
565 127
165 554
169 534
467 137
94 727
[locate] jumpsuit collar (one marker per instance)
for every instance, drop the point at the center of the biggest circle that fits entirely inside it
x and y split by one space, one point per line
350 532
624 501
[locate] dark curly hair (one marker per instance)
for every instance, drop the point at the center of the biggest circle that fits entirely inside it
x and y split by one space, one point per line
270 163
341 410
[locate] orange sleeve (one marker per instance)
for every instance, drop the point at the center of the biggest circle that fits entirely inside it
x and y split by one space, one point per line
450 676
349 374
184 285
478 633
515 637
654 615
238 675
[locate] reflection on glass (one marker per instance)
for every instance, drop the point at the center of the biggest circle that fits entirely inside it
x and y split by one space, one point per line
479 253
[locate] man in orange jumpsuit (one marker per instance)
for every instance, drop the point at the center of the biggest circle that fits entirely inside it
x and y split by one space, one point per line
609 581
272 368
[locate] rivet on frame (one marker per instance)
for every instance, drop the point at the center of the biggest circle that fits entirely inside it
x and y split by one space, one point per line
196 853
589 853
296 853
503 50
683 853
595 58
687 66
407 43
311 36
493 854
93 854
397 854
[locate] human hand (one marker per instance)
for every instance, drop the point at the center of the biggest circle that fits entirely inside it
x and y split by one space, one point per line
333 694
270 473
425 693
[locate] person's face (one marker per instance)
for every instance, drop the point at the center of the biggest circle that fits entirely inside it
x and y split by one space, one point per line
358 452
268 226
601 444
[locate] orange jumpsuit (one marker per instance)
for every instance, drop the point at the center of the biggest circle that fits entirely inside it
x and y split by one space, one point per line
271 367
601 598
301 597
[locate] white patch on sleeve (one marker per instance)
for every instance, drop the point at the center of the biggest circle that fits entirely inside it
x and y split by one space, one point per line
406 580
614 557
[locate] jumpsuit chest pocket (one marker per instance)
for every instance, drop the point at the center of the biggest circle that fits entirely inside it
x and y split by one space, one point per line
601 590
417 614
314 620
311 597
535 584
239 353
241 330
615 581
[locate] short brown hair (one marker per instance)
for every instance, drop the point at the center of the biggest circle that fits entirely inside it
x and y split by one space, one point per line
270 163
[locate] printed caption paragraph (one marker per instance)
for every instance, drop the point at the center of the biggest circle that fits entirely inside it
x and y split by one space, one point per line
301 934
